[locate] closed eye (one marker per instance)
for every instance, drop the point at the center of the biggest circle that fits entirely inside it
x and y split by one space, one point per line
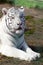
21 16
12 17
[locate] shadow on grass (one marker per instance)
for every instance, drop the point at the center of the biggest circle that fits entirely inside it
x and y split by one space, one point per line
37 48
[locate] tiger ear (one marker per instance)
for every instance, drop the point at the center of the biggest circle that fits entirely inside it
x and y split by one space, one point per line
21 9
4 11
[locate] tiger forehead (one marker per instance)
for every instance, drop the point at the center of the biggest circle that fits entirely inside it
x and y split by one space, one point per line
13 12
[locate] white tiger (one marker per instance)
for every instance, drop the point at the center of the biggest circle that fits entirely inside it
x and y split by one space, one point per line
12 27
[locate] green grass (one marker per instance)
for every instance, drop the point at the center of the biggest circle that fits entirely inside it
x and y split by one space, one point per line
28 3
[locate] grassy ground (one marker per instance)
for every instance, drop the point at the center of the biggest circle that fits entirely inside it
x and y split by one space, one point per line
33 37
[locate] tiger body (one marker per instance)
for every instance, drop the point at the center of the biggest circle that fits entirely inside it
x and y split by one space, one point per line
12 28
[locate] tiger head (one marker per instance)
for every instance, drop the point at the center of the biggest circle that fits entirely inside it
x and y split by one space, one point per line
14 19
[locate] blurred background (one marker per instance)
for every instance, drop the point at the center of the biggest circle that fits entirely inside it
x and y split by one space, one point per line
27 3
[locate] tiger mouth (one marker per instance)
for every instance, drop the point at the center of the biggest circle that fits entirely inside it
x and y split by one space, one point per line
19 28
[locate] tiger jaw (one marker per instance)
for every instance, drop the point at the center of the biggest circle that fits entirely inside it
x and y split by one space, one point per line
18 30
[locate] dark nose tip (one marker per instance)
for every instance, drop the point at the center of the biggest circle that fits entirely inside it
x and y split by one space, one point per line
19 24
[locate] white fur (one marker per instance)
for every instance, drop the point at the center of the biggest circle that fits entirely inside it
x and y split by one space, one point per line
11 43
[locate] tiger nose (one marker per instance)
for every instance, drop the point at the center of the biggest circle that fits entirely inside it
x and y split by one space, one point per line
19 23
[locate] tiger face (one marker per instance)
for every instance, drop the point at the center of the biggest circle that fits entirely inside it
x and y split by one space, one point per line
15 20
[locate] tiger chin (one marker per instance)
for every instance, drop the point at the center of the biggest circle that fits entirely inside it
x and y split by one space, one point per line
12 28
